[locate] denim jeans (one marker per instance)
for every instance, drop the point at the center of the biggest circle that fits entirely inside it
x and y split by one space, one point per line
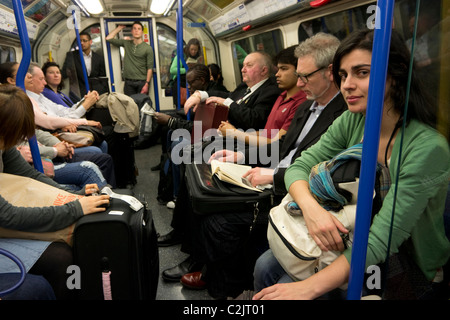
33 288
77 174
268 272
103 147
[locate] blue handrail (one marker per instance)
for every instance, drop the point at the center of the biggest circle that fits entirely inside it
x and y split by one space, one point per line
180 55
108 50
22 71
80 50
380 58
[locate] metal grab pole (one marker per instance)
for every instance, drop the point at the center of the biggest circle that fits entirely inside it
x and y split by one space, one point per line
380 57
180 55
22 71
80 51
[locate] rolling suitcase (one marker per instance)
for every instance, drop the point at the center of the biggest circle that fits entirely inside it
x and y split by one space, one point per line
117 252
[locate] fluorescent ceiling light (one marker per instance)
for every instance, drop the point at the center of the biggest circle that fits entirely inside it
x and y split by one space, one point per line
160 6
92 6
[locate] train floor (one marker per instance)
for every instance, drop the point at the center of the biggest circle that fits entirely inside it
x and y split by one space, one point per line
147 184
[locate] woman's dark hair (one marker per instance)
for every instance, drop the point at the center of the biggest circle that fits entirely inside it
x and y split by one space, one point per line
216 73
16 116
6 71
47 65
195 42
420 106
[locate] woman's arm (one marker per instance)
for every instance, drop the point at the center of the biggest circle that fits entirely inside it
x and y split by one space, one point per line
327 279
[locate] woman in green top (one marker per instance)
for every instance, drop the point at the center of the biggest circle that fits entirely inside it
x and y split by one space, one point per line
423 175
192 53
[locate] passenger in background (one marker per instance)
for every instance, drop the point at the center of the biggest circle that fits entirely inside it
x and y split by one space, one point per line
8 72
72 68
52 90
198 78
216 76
47 259
192 54
418 238
283 110
251 102
51 108
138 60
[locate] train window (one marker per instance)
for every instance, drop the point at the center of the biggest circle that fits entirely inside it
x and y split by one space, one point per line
40 10
270 42
339 24
7 54
167 45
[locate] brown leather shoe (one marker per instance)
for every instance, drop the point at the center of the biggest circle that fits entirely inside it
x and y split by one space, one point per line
193 281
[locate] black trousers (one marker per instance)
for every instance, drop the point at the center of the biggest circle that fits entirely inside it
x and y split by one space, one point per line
133 86
223 242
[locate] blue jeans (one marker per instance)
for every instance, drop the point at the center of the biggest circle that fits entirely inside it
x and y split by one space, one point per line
268 272
77 174
103 147
33 288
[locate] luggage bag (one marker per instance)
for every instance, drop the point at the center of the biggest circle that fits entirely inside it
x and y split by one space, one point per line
209 195
117 253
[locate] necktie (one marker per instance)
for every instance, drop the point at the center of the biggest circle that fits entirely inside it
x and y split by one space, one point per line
245 93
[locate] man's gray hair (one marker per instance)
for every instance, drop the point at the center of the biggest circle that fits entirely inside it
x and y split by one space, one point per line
322 47
32 66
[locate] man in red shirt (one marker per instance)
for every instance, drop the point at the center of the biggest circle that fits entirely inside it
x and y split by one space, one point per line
284 108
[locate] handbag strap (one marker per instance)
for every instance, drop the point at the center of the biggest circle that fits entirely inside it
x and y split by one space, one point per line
21 266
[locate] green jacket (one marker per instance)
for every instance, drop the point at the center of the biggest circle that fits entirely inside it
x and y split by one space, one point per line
422 187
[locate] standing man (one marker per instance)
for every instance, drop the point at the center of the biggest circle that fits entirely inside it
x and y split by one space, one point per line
138 60
95 67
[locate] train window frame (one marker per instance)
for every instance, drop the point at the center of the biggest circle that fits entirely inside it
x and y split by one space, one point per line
165 55
9 51
239 52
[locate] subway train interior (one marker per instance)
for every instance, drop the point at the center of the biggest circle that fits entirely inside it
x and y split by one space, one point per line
228 31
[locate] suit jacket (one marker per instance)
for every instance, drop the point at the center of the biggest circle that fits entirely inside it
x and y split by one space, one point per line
72 64
252 113
333 110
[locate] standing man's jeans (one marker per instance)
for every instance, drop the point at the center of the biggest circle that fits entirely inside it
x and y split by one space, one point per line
133 86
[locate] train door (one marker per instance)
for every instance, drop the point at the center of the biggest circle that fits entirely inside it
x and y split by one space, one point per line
114 55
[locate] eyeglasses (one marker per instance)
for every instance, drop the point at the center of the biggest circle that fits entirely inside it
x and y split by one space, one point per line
85 40
304 77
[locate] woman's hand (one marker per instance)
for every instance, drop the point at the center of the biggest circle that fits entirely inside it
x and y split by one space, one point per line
92 204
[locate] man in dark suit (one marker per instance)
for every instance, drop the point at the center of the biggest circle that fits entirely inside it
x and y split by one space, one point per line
226 273
95 67
250 104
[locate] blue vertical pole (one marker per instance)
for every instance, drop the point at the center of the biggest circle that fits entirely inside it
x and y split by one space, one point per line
83 64
108 48
22 71
380 59
180 55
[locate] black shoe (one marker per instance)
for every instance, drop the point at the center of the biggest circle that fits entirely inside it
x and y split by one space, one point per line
143 144
156 168
170 239
187 266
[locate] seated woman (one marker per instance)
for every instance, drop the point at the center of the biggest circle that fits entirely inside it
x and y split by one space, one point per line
47 259
418 230
52 90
